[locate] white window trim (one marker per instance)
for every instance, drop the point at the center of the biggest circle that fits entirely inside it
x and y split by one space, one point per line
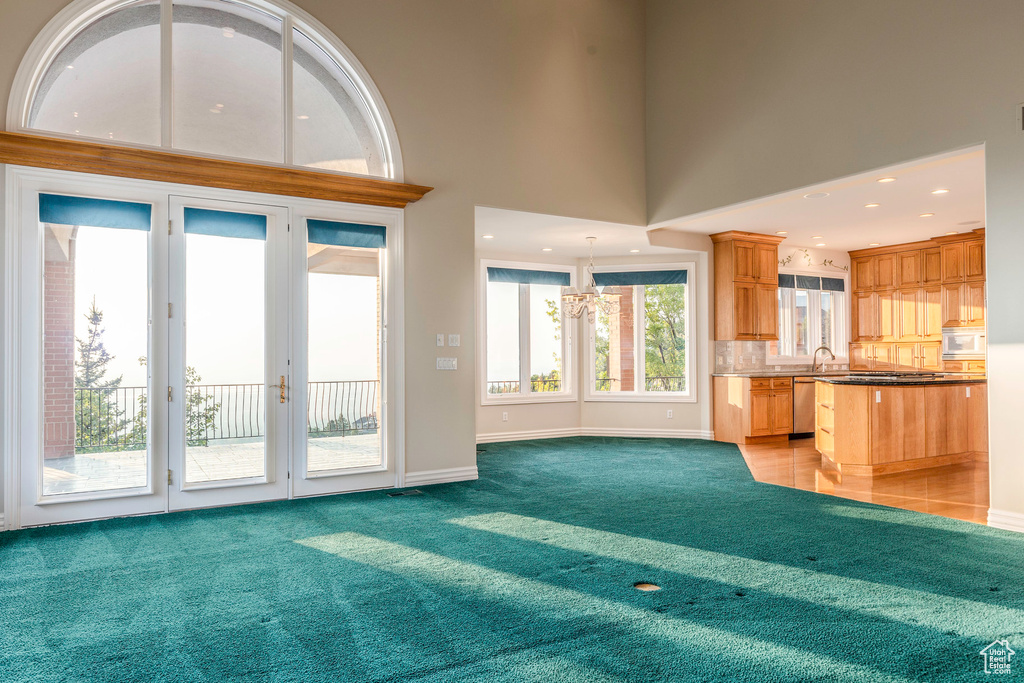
79 14
568 395
692 350
842 354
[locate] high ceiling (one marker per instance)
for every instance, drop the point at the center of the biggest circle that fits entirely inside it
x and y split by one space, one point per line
843 219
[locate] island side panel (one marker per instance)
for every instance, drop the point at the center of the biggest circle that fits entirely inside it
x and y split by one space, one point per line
853 426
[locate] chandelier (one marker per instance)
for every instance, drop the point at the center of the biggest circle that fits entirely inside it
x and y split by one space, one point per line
575 302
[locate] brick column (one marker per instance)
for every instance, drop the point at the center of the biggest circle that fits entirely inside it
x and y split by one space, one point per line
59 347
626 339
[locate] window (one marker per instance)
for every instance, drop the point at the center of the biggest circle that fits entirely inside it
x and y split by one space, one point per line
526 342
225 87
641 349
812 313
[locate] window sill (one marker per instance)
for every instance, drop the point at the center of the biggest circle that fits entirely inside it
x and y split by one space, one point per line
531 398
629 397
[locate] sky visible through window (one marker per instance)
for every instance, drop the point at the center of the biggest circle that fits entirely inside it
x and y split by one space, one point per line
108 267
503 331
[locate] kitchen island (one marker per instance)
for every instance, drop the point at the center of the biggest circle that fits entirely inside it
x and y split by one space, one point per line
879 424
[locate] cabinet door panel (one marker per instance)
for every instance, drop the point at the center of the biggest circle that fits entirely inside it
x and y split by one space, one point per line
952 304
908 268
766 263
953 262
931 266
906 356
974 260
884 357
743 261
744 311
887 323
860 356
863 273
885 271
931 313
973 306
865 314
929 356
908 315
782 412
760 413
767 311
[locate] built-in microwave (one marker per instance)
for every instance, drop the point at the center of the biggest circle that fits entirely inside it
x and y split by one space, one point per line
963 343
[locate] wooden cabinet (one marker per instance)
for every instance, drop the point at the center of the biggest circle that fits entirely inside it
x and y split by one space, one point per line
953 262
931 266
875 272
930 356
885 271
908 314
749 409
863 274
931 313
872 430
878 356
917 356
746 286
972 366
908 269
864 308
963 304
974 260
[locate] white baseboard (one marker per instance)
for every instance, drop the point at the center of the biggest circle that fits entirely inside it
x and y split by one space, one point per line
1003 519
596 431
441 476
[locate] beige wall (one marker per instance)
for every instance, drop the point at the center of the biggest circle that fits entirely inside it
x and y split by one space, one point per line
747 98
535 105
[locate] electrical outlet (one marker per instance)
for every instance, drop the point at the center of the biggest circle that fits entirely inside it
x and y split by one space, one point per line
453 339
440 340
504 417
669 414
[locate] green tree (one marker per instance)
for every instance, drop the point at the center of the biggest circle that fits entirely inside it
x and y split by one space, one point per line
665 336
99 422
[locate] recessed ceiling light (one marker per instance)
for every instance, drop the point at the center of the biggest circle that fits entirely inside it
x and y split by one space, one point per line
219 106
820 244
816 195
942 191
927 215
75 114
111 135
215 111
302 117
888 179
817 237
634 251
71 66
952 232
969 223
781 232
488 237
228 32
873 244
546 249
77 132
871 206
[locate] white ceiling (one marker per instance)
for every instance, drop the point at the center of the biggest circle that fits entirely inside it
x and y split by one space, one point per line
843 221
525 233
841 218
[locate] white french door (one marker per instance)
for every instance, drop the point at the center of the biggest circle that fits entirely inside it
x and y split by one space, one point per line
178 350
228 395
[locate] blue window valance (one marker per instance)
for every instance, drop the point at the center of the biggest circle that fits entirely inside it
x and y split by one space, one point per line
528 277
641 277
341 234
251 226
97 213
828 284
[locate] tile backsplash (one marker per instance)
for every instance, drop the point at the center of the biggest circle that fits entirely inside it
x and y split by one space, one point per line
744 356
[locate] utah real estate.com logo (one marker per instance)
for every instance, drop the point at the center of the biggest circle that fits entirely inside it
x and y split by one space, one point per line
997 657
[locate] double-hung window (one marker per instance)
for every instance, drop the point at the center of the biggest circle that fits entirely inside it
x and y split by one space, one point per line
812 313
526 342
641 349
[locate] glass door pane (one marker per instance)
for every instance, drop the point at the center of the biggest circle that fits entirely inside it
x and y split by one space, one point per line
344 358
225 357
95 346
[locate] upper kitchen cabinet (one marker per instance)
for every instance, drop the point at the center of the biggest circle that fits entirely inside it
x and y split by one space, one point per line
974 259
746 286
963 279
875 272
931 266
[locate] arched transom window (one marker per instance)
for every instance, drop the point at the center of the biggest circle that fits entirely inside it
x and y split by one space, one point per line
249 80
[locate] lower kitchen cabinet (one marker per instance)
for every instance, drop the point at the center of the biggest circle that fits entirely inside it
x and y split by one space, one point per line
752 409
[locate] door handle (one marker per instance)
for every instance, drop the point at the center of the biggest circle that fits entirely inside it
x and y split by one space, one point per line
282 388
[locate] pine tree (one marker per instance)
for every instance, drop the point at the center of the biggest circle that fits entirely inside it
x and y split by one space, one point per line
99 422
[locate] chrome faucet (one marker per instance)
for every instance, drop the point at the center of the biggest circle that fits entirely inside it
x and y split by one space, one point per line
814 358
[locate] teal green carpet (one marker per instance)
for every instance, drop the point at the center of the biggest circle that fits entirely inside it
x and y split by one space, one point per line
524 575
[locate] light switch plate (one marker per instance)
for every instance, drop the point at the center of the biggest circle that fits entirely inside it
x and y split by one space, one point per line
447 363
440 339
453 339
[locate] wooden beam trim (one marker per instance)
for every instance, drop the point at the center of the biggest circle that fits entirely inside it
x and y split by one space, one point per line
128 162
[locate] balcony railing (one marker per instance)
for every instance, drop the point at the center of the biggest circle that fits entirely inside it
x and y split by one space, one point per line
611 384
114 419
512 386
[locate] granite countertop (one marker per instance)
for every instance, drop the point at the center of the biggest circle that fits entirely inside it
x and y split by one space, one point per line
903 380
782 373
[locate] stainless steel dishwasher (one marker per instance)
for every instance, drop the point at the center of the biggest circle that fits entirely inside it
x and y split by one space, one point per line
803 405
